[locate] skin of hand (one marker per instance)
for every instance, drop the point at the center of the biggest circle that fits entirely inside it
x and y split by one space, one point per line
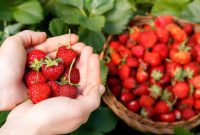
56 115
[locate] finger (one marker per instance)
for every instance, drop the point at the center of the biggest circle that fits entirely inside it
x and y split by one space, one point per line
92 99
52 44
77 47
83 65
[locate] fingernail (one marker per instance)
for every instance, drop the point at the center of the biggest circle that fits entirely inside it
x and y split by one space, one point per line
101 89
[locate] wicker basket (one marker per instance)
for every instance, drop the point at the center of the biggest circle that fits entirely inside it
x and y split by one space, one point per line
134 120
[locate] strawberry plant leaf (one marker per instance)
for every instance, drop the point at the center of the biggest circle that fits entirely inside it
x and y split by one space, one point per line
104 72
92 38
170 7
6 11
98 7
192 11
76 3
29 12
133 5
3 117
58 27
93 23
12 29
181 131
118 17
70 14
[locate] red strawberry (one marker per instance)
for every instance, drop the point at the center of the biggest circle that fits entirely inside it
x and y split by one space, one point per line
35 59
163 21
52 69
129 83
127 97
34 77
146 101
165 79
116 90
197 104
66 54
196 52
155 91
147 39
115 45
124 71
167 117
188 28
113 81
172 67
68 91
186 103
177 114
54 88
187 113
142 89
194 39
163 35
152 58
197 94
124 52
115 57
132 62
123 38
134 106
181 90
147 112
113 69
162 50
74 75
39 92
134 34
130 44
161 107
193 68
195 81
141 75
138 51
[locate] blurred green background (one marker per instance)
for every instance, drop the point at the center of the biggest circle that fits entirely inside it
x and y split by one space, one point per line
93 21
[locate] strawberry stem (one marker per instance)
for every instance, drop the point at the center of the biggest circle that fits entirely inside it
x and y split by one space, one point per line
70 69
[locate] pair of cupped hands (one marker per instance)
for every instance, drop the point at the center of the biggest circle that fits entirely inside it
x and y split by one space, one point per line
55 115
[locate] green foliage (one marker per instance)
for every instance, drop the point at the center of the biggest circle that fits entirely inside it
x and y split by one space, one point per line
3 116
58 27
104 72
182 131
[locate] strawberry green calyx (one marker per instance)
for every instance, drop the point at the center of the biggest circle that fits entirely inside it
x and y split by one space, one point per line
166 95
189 73
144 113
180 74
156 75
36 64
155 91
49 62
183 47
63 80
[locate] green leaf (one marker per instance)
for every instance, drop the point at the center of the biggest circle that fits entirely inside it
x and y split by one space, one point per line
98 7
118 17
75 3
133 5
192 12
104 72
169 7
29 12
3 117
93 23
181 131
102 120
92 38
58 27
12 29
6 10
86 132
70 14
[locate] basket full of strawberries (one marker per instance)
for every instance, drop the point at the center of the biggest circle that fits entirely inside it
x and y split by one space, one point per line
153 82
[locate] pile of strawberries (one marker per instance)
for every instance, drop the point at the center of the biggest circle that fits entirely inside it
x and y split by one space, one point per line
46 77
154 69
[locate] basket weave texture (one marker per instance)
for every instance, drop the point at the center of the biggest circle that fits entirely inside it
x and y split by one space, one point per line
134 120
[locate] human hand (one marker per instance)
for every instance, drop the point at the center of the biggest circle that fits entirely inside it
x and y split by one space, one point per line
60 115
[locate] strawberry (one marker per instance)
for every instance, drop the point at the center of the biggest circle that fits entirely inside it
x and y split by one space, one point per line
113 81
115 45
147 39
134 106
162 50
152 58
146 101
188 28
74 75
155 91
186 103
52 69
171 68
162 107
34 77
165 79
193 68
194 39
196 52
187 113
39 92
167 117
141 75
163 35
177 114
134 34
123 37
116 90
132 62
54 88
147 112
196 94
68 91
197 104
138 51
115 57
130 44
163 21
124 52
127 97
142 89
66 54
124 71
113 69
181 90
129 83
35 59
195 81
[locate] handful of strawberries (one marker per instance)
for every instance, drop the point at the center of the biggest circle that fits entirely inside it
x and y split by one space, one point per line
46 77
154 69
